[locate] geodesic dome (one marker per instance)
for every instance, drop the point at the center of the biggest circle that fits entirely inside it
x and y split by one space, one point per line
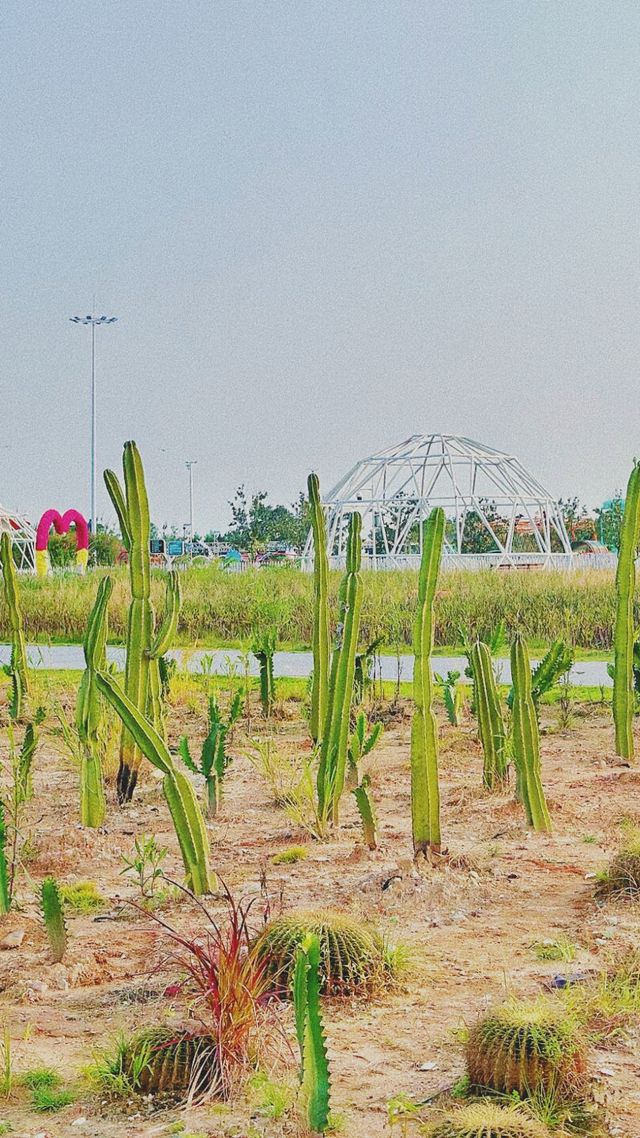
23 539
497 513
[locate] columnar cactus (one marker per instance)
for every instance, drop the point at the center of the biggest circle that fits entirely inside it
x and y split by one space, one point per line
263 650
17 669
178 791
144 646
526 739
623 694
5 889
314 1065
425 790
214 759
89 710
490 721
335 734
53 914
321 634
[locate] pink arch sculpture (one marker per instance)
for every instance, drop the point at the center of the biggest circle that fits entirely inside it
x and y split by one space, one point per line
61 524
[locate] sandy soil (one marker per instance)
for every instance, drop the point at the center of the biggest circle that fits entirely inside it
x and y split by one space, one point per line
469 924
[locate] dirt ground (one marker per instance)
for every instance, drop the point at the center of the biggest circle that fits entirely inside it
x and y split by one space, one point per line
469 924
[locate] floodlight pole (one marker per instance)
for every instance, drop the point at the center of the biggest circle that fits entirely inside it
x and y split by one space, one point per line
190 463
93 320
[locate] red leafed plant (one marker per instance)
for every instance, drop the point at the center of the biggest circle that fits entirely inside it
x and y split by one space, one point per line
226 986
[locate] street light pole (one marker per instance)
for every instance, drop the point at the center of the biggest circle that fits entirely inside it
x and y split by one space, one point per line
190 463
94 321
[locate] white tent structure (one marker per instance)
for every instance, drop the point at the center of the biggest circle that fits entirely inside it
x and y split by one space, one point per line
497 513
23 538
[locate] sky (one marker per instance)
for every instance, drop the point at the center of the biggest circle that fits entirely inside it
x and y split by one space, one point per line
323 226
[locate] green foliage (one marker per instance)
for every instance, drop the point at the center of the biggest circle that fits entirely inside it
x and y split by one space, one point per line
17 668
526 740
425 789
214 758
53 914
268 1098
624 634
255 522
314 1065
487 1119
321 634
44 1085
291 855
146 864
263 650
82 898
183 805
560 949
622 877
525 1047
90 711
353 960
335 733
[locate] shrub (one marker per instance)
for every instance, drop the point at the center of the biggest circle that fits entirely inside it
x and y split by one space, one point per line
353 960
622 878
526 1047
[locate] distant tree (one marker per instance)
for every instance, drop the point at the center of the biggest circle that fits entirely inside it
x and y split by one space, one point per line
609 521
255 522
579 525
476 538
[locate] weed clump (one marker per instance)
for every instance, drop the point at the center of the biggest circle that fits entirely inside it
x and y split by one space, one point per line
622 877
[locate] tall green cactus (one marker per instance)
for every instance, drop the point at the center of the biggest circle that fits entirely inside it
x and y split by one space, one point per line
314 1064
145 645
263 650
623 695
491 728
5 887
335 734
526 739
321 633
89 715
425 789
53 914
178 791
17 669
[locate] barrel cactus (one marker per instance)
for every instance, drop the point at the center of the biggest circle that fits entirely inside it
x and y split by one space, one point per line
170 1061
487 1119
526 1046
353 960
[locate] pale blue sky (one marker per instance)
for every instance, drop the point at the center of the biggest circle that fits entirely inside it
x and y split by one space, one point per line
324 226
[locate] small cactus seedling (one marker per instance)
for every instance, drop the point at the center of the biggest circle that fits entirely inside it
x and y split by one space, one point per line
53 914
526 740
487 1119
353 960
361 743
526 1047
315 1082
170 1061
214 759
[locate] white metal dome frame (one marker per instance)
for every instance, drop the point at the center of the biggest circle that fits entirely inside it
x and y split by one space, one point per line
23 539
397 488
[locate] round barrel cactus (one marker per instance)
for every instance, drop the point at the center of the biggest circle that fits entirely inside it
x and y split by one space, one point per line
487 1120
353 959
526 1047
171 1061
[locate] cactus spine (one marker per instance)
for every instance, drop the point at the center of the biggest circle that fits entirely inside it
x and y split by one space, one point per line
490 722
178 791
263 651
335 734
142 672
623 695
321 634
526 739
18 666
425 790
53 918
89 710
314 1064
